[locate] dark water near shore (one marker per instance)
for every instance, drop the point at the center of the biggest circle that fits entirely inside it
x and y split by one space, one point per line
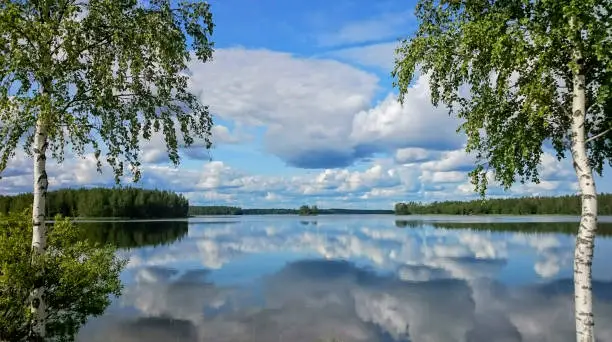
352 278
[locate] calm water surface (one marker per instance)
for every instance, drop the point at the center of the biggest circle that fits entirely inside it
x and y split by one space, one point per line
353 278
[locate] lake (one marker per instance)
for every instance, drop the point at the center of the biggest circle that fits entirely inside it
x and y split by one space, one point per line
351 278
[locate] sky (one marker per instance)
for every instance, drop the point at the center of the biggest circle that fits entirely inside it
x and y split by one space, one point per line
305 113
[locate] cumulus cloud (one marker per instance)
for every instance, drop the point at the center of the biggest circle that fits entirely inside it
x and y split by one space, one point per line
73 172
413 155
307 104
415 124
443 176
455 160
314 113
154 150
319 109
381 184
222 135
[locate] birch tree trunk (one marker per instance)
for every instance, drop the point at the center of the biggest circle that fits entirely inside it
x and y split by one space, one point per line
39 231
585 239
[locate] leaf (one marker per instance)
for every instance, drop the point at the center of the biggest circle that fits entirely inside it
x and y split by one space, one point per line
79 278
101 73
504 68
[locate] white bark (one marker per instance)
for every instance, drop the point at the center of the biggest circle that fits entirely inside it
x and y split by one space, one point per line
39 232
585 239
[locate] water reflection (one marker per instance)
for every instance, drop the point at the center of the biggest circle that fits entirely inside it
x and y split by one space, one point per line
353 279
604 229
132 234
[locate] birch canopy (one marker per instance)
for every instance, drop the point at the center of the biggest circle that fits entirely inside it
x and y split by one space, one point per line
523 75
101 74
97 75
515 57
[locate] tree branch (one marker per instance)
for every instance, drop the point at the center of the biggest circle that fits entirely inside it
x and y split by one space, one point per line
598 135
116 96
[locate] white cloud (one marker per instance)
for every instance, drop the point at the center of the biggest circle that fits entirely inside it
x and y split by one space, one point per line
222 135
307 104
263 87
270 196
412 155
316 114
73 172
385 26
379 185
415 124
451 161
19 165
319 109
443 176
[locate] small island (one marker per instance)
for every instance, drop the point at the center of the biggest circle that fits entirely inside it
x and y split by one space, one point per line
308 210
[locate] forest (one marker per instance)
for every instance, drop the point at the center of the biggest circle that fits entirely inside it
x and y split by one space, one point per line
214 210
561 205
228 210
123 202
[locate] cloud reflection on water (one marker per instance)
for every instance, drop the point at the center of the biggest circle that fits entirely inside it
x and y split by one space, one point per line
359 282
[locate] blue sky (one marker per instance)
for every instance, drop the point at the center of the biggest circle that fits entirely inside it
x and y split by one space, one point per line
305 114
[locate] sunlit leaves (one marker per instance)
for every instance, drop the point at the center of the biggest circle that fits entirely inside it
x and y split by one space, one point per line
103 74
504 67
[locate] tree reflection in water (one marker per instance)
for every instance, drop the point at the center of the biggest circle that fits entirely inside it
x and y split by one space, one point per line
133 234
603 228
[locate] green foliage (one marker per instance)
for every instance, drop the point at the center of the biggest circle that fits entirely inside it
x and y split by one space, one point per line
505 69
308 211
102 202
101 75
78 278
562 205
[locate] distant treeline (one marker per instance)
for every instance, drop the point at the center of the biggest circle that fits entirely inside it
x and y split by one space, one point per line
214 210
603 228
226 210
562 205
104 202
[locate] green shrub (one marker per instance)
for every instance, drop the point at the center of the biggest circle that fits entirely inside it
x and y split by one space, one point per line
78 278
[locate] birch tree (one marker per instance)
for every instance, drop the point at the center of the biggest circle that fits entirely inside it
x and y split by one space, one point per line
97 76
521 76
